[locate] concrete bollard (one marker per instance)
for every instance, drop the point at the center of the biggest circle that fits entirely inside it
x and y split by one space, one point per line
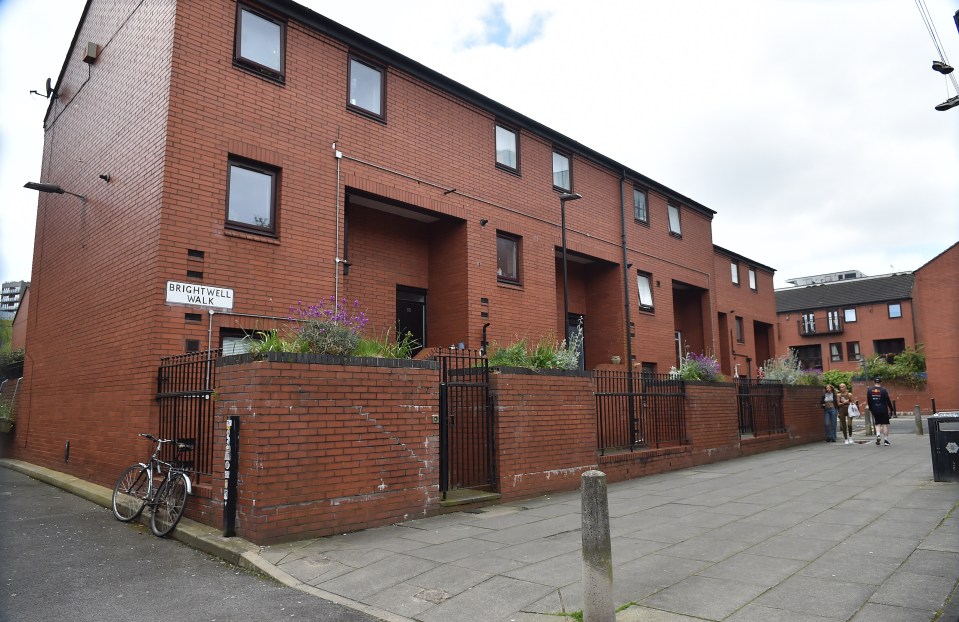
918 421
597 550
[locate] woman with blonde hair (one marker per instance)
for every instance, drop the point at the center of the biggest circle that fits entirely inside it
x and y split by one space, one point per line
845 399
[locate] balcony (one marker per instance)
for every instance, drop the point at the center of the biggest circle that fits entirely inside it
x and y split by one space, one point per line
811 325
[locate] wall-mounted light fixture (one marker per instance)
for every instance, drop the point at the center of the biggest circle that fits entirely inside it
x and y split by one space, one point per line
105 177
53 189
484 222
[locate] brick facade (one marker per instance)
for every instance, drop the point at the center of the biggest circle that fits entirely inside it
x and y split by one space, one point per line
936 311
743 351
363 206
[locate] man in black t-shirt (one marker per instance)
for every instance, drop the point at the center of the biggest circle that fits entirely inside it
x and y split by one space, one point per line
877 398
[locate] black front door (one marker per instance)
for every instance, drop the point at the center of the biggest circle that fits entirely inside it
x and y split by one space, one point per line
411 314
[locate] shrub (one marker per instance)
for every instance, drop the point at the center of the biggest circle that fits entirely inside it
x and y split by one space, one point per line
788 370
547 353
836 377
387 346
328 327
694 366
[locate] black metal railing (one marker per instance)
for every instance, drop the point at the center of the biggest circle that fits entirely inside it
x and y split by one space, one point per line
467 447
829 325
185 387
760 406
637 410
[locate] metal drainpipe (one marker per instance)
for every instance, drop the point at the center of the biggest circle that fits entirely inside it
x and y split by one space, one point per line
629 341
336 252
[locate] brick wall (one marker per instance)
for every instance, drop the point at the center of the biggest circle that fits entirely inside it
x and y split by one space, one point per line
936 307
327 448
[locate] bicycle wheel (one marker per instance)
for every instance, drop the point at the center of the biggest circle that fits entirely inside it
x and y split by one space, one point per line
170 502
130 493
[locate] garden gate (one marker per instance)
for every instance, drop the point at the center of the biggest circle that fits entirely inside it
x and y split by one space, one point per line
185 394
467 451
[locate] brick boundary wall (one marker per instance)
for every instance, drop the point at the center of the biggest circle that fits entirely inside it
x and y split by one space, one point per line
330 447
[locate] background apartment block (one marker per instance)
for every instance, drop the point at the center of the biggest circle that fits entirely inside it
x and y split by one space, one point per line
263 150
10 296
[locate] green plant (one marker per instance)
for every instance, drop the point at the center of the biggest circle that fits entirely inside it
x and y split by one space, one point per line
694 366
8 357
387 346
837 377
6 410
262 342
547 353
788 370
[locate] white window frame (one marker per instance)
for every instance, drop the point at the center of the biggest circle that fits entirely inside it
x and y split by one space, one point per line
898 307
734 272
752 279
561 173
675 220
508 135
849 315
645 293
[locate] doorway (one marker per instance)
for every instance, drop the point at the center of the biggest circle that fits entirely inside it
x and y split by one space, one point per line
411 315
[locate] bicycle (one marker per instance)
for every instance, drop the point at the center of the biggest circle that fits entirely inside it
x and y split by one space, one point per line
136 488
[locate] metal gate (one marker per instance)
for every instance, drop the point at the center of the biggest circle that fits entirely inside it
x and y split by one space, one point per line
760 405
467 452
185 394
638 410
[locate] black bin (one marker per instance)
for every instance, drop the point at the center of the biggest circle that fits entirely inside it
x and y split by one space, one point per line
944 440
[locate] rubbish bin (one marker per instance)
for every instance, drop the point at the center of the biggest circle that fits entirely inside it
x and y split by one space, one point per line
944 440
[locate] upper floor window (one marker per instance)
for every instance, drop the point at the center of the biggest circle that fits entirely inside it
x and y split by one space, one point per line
366 88
562 177
640 209
852 351
675 226
752 279
849 315
643 283
832 320
734 272
507 148
740 330
251 197
808 324
507 258
895 309
260 42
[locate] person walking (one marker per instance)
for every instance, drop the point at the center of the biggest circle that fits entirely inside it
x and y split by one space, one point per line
845 399
877 398
829 403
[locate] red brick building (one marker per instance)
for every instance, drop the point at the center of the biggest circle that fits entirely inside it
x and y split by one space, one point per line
745 312
235 158
836 325
936 311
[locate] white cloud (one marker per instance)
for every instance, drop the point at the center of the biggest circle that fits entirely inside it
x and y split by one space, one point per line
807 125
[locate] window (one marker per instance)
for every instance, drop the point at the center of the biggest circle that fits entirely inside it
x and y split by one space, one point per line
640 211
643 283
852 351
562 178
507 258
675 227
251 197
889 348
835 352
752 279
740 333
366 88
895 310
810 357
734 272
849 315
832 321
649 369
807 325
259 43
507 148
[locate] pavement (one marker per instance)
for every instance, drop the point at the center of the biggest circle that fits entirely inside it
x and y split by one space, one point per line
814 533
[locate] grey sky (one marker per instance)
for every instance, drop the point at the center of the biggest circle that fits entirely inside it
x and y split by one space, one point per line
808 125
